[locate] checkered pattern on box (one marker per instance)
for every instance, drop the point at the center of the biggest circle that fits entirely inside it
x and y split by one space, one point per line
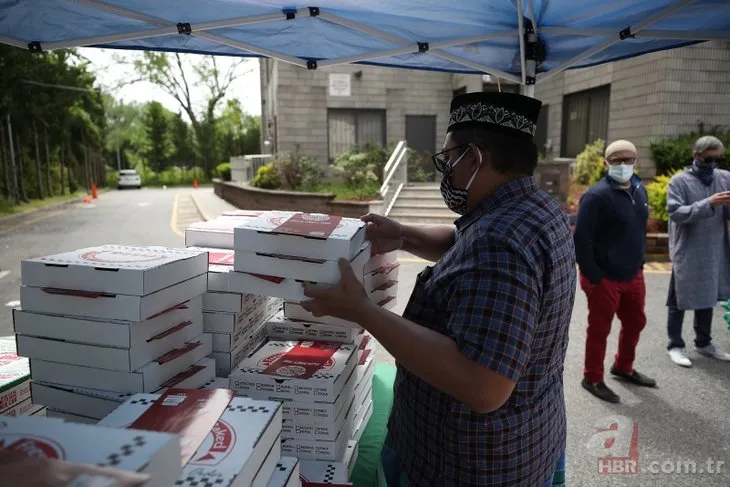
126 450
249 409
504 293
142 401
202 480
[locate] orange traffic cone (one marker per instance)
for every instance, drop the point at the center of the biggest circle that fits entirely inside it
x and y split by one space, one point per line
195 183
94 193
87 199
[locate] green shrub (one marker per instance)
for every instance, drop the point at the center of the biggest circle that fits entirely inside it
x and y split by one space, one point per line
675 153
420 167
589 167
378 157
267 177
657 191
288 169
223 171
311 174
357 170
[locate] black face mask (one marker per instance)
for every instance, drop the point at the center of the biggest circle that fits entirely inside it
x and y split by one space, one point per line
704 170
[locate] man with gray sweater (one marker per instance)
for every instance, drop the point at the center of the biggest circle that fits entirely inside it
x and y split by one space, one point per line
698 204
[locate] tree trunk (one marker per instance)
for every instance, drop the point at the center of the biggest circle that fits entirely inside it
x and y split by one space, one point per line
5 163
21 185
13 164
38 169
62 162
86 167
49 181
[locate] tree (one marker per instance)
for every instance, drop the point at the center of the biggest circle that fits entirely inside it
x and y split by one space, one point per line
155 122
169 73
183 151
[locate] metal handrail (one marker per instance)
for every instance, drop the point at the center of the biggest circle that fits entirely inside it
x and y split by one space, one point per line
393 164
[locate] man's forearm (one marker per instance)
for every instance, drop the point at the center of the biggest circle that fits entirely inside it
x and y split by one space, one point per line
428 242
431 356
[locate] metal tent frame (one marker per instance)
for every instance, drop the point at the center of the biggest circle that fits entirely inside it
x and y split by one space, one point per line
527 33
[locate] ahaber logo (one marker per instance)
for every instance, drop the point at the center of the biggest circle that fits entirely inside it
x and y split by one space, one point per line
36 446
616 446
217 445
121 257
266 361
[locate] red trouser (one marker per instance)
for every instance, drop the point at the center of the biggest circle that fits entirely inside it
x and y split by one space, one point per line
606 299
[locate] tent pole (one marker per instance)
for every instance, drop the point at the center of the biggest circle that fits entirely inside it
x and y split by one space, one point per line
610 42
254 49
476 66
645 34
521 34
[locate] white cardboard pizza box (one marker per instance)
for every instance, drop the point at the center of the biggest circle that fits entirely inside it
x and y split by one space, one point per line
94 403
286 473
241 214
378 261
309 235
110 306
365 365
315 429
216 233
225 362
294 311
281 328
381 275
320 449
234 450
267 285
323 472
266 470
146 379
220 322
300 268
114 269
384 293
25 408
320 412
109 358
300 370
362 420
220 263
14 375
157 454
216 383
69 417
110 333
226 302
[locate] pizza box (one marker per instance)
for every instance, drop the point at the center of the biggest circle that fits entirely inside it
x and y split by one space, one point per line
216 383
244 336
110 306
273 286
308 235
294 311
313 472
240 213
216 233
361 421
220 262
226 302
365 365
282 328
114 269
298 370
300 268
233 451
14 375
146 379
308 449
110 333
286 473
320 412
315 429
157 454
384 293
227 361
69 417
219 322
94 403
109 358
378 261
380 276
25 408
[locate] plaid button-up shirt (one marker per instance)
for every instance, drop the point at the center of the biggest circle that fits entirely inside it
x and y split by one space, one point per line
504 293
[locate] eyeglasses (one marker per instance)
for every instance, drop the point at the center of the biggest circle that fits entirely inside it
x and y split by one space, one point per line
627 161
442 164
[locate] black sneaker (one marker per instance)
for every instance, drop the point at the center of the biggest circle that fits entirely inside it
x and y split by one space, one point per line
635 377
601 391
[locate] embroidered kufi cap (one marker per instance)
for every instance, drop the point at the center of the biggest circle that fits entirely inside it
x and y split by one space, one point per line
508 113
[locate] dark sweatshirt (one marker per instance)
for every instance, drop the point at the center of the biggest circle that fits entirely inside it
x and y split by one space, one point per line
610 233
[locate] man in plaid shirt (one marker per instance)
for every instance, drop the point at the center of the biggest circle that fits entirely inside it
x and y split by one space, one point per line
481 345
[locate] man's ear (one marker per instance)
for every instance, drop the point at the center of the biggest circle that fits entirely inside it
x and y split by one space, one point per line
481 156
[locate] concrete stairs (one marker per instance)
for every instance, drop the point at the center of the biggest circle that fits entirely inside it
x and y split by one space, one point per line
421 203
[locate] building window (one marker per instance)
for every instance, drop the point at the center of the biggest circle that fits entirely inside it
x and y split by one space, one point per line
354 129
585 119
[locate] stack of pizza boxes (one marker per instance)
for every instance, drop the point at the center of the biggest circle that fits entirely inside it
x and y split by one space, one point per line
15 383
234 320
101 323
233 441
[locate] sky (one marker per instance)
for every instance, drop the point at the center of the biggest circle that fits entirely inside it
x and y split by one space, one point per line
109 73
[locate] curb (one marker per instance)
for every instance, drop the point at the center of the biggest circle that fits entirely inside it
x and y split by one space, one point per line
18 216
198 208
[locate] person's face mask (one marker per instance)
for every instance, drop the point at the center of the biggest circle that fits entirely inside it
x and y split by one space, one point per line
621 173
456 198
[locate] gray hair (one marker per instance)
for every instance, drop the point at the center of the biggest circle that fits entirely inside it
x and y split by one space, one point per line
708 142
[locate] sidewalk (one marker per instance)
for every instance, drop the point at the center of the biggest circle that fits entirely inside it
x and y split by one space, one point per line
209 205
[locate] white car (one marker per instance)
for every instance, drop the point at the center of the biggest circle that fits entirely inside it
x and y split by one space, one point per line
128 178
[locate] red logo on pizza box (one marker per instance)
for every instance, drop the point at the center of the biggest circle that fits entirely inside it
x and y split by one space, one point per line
121 256
36 447
217 445
267 361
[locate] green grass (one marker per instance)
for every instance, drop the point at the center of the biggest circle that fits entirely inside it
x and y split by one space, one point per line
7 208
343 192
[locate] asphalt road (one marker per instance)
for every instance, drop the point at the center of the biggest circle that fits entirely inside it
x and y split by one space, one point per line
684 422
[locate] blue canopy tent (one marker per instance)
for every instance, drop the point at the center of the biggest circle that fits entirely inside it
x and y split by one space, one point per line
526 41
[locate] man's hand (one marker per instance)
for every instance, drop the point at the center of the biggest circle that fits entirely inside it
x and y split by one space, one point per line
346 300
720 199
384 234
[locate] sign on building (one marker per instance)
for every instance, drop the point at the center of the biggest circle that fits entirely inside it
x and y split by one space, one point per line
339 84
